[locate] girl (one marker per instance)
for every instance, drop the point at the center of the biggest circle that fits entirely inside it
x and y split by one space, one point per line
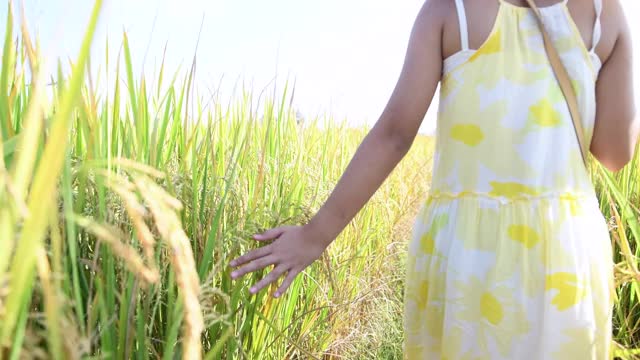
510 256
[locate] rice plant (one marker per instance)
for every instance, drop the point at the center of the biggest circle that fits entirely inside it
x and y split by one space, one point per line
120 210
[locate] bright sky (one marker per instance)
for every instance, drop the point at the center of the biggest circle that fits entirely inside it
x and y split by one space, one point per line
345 56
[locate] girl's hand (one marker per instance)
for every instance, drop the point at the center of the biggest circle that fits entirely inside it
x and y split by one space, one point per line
295 248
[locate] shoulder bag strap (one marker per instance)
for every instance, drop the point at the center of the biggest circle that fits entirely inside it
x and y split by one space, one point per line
564 81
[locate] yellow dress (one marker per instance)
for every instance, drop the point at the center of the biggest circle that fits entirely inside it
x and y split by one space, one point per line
510 256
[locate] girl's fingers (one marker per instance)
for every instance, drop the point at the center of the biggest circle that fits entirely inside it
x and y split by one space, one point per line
287 281
251 255
258 264
270 234
273 276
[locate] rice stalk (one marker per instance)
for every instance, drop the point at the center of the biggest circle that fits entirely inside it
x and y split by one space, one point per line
42 192
52 306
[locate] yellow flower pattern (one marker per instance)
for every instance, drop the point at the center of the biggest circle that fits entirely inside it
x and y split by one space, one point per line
569 291
469 134
543 114
524 234
510 256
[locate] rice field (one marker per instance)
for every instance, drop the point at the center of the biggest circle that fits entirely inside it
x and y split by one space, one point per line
120 210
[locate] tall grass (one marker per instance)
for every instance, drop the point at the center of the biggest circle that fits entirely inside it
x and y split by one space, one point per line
619 196
152 193
120 210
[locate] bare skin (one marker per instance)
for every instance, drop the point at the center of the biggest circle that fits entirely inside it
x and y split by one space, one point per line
434 37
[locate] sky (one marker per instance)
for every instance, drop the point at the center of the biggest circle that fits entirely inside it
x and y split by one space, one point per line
344 55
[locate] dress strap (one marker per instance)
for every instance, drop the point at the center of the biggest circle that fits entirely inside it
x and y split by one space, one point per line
462 18
597 29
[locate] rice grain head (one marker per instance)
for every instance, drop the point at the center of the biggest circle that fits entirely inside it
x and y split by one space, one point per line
163 209
113 237
136 213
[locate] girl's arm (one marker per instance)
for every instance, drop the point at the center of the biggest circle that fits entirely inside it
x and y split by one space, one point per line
296 247
616 128
393 134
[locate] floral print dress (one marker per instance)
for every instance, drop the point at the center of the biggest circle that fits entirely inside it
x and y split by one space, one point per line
510 256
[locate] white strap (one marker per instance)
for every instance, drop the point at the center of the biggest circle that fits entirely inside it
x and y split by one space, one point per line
597 29
462 18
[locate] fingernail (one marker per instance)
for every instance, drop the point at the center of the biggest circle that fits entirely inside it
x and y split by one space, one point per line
252 290
233 263
276 294
233 274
